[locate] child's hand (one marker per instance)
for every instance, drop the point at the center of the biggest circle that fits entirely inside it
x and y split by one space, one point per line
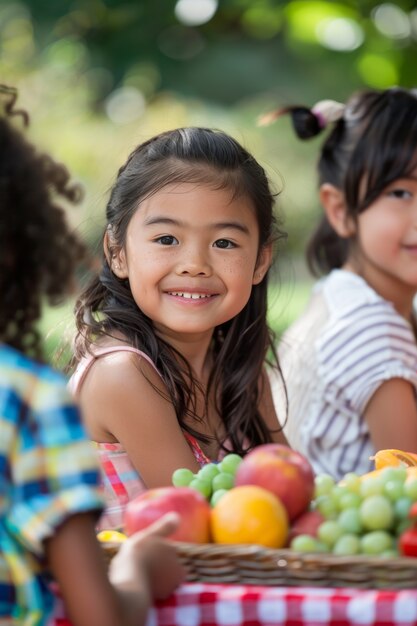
147 555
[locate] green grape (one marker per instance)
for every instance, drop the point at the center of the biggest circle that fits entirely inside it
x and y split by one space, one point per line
394 490
349 500
398 473
230 463
376 513
304 543
223 480
410 489
376 542
329 532
208 472
217 495
352 482
402 508
347 545
321 546
390 554
389 473
338 491
203 486
372 486
182 477
350 521
328 506
323 485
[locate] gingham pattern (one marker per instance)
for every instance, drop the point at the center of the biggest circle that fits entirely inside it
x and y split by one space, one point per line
235 605
48 471
121 482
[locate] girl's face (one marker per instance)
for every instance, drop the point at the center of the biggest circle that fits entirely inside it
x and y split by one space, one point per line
191 257
385 253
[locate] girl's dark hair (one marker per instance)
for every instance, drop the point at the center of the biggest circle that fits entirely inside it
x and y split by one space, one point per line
203 156
38 252
371 146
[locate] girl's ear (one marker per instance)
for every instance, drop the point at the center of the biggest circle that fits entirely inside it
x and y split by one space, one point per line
116 258
333 202
263 264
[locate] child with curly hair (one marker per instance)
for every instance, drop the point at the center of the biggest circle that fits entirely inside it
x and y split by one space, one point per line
49 478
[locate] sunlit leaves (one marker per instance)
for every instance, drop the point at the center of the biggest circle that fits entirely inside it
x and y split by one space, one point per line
378 71
305 18
262 21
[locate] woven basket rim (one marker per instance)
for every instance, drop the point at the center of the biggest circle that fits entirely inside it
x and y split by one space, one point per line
251 551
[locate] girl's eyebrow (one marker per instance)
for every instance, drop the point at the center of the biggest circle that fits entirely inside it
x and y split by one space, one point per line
405 177
160 219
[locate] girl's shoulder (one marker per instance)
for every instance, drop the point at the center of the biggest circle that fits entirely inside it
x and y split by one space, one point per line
106 356
363 331
353 304
346 292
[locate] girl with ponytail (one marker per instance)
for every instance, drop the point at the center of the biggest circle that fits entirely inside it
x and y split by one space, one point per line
350 360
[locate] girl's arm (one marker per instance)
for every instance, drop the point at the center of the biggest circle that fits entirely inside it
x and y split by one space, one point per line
267 409
391 415
123 398
145 567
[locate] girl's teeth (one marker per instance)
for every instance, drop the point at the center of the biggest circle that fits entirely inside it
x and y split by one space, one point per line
192 296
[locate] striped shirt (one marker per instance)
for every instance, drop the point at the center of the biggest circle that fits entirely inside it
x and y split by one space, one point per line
347 343
48 472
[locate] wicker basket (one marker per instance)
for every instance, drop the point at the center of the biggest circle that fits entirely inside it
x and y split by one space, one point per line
254 565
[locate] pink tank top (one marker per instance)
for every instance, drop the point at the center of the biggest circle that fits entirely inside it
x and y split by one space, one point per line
120 480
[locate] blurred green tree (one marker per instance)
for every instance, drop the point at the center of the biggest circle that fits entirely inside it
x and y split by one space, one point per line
99 76
226 50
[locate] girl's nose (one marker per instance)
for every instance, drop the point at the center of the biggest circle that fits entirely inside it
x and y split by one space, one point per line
194 263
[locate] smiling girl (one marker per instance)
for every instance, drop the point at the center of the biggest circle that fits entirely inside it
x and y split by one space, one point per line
350 361
172 335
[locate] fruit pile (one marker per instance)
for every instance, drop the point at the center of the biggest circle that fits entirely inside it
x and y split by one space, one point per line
251 500
363 514
272 498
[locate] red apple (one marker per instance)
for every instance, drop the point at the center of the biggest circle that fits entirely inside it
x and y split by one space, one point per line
285 472
306 524
192 507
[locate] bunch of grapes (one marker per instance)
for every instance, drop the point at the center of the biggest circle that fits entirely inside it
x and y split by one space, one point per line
213 480
363 515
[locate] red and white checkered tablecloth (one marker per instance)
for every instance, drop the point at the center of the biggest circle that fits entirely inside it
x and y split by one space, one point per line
196 604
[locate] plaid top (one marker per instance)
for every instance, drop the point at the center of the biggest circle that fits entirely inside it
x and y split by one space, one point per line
48 472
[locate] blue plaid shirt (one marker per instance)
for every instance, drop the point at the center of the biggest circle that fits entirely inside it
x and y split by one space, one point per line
48 472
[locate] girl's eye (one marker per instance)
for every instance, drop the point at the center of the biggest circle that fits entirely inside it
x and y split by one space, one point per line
224 244
167 240
401 194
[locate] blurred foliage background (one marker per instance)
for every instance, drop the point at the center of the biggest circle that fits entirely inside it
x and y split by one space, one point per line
100 76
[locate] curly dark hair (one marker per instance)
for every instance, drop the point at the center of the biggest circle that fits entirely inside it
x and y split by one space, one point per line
240 345
38 251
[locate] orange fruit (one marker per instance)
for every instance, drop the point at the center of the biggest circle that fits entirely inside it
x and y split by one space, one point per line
249 514
394 458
